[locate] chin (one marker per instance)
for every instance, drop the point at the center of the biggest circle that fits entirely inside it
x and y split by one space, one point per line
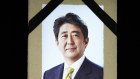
72 56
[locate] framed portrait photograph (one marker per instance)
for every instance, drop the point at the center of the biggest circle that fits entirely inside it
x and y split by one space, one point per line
51 56
72 42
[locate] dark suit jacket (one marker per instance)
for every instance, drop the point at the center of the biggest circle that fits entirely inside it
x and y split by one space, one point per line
88 70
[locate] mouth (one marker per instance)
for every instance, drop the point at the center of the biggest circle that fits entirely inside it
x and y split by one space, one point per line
71 49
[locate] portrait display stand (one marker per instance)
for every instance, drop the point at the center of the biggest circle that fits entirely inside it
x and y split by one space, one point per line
107 15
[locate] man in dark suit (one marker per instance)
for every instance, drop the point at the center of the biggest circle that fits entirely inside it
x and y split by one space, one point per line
72 38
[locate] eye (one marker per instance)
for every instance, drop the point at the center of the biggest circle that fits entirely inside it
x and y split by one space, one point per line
63 36
75 35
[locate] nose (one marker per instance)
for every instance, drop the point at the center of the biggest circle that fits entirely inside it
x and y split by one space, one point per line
70 40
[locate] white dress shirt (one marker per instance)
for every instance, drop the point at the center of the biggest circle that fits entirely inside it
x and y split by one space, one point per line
76 65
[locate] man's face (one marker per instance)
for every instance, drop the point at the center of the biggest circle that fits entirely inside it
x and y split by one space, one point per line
71 41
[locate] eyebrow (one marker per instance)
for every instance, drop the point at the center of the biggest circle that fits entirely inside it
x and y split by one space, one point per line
64 32
72 32
76 32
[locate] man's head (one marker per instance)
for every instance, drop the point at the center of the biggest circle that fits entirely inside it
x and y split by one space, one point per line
72 19
71 36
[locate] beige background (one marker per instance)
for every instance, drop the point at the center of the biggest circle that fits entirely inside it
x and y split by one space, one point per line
34 40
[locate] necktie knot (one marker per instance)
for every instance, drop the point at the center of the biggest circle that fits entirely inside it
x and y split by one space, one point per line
69 74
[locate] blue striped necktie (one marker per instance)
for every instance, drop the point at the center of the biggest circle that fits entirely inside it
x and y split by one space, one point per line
69 74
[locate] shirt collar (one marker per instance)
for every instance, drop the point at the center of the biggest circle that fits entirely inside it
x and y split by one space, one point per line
75 65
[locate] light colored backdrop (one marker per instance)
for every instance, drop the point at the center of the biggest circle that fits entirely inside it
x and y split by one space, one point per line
94 51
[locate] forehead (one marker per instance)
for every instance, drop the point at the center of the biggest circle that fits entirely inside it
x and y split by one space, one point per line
69 28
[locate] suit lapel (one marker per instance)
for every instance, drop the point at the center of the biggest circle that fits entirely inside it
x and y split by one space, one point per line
59 72
84 70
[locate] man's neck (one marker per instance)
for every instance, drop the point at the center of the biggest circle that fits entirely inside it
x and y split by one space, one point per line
70 61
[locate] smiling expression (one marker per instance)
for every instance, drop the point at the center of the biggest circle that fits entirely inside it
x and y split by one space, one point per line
71 41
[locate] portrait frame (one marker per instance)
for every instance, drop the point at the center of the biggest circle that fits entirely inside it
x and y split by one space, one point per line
34 44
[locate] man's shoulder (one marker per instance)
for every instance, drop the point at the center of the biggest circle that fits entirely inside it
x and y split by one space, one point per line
54 69
49 74
95 69
94 65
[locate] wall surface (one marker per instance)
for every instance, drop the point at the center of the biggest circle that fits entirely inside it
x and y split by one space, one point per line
34 40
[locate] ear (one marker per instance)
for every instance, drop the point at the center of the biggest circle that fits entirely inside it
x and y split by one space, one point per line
57 43
86 42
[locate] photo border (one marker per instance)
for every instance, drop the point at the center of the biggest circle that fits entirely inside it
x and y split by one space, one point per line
109 41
